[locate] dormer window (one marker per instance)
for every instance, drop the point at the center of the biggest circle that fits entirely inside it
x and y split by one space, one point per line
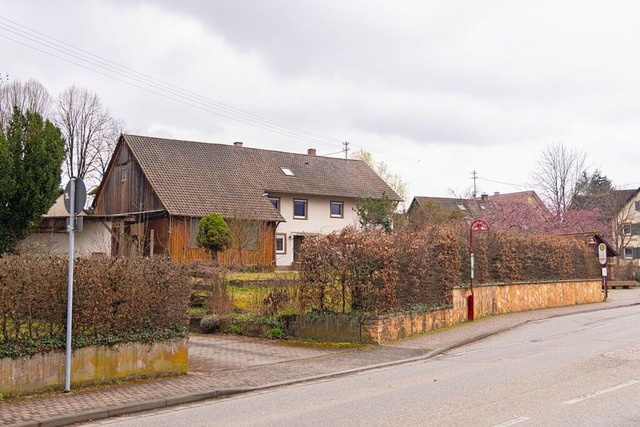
286 171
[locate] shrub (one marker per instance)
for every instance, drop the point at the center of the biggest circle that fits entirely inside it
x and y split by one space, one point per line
114 299
277 332
213 234
236 329
376 272
349 268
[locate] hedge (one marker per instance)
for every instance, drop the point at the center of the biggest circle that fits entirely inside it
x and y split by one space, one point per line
373 271
115 300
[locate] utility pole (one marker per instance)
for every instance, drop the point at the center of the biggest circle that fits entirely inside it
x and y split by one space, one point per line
346 149
474 176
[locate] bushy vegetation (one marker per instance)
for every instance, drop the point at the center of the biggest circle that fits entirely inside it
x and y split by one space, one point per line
213 234
115 300
372 271
377 272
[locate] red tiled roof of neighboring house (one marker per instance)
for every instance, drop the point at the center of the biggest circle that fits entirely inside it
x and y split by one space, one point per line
476 208
470 208
195 178
528 197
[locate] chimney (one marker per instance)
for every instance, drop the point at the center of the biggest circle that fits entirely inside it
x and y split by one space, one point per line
484 197
237 144
311 151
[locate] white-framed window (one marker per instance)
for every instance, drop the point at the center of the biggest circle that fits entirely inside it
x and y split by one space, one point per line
336 209
124 173
281 243
300 208
626 229
628 253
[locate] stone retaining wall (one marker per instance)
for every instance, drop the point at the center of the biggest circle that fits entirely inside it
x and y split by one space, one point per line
91 365
489 300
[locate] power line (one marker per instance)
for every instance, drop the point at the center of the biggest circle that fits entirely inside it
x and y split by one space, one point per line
503 183
48 45
61 50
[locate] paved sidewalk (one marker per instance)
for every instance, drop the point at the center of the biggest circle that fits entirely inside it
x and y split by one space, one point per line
225 365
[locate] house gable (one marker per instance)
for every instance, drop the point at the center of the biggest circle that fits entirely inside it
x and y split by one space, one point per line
125 188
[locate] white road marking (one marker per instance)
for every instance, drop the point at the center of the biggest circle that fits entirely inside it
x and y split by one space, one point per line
512 422
599 392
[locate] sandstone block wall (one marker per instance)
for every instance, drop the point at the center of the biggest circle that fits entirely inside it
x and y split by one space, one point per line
93 365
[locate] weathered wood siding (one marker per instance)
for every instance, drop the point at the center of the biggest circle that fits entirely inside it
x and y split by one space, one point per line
264 254
181 249
160 229
125 188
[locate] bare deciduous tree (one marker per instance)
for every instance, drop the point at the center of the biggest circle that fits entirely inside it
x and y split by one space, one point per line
246 235
90 133
557 172
393 180
28 96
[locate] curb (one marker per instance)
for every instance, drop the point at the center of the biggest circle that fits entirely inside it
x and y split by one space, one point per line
98 414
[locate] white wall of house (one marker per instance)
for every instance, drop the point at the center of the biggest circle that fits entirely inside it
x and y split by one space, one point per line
630 215
318 221
94 238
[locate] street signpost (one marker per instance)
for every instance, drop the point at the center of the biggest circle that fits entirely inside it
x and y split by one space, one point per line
477 225
75 196
602 257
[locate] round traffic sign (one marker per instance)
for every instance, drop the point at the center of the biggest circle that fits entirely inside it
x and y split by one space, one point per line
80 194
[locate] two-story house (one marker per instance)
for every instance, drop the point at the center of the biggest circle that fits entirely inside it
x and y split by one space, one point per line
156 190
622 209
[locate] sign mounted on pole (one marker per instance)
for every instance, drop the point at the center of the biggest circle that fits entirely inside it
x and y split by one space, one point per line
602 253
79 196
75 196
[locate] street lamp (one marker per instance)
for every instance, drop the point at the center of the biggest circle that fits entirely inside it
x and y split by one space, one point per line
477 225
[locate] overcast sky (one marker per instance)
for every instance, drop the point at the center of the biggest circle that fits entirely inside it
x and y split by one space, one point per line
435 89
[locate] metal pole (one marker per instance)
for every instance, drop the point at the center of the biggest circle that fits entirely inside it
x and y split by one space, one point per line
470 302
72 220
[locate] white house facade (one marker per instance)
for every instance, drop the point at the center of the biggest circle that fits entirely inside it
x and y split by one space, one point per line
629 236
52 238
306 216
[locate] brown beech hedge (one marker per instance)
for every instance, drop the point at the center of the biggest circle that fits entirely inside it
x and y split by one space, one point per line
374 271
115 300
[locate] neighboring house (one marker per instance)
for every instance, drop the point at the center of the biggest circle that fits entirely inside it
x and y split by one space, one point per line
469 209
519 210
51 235
156 190
622 209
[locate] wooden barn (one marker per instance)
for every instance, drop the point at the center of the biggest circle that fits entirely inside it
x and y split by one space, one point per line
156 190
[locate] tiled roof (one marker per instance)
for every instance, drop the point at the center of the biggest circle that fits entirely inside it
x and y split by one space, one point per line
195 178
476 208
471 209
610 202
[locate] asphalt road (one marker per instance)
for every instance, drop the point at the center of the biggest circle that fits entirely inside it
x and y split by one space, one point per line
576 370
